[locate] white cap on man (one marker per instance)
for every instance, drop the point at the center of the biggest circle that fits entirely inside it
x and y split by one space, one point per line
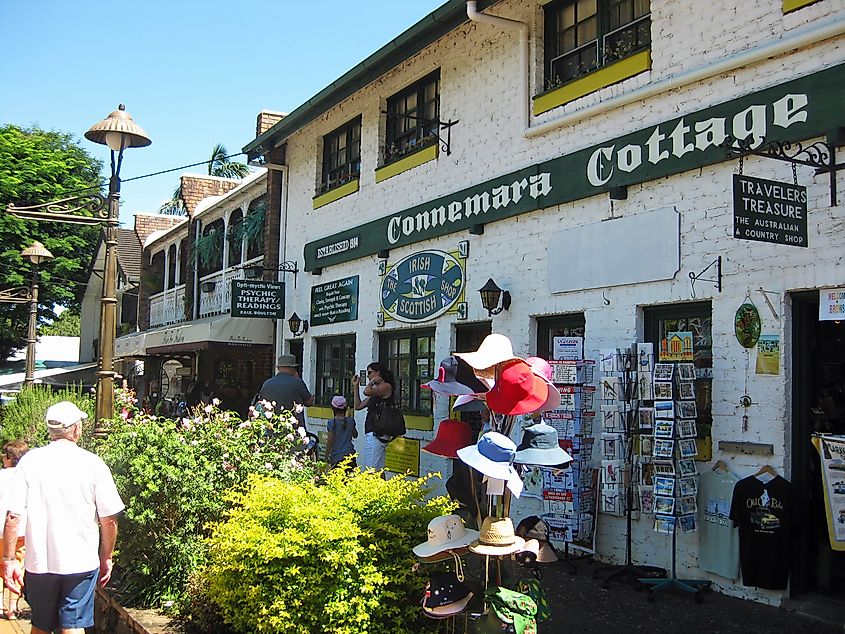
63 415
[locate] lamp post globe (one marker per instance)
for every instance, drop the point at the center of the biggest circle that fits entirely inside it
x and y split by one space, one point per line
119 132
35 253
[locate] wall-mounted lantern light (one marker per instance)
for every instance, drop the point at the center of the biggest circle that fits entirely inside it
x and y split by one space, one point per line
297 326
493 298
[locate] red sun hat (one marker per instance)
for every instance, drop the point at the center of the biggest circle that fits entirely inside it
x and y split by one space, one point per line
518 390
451 435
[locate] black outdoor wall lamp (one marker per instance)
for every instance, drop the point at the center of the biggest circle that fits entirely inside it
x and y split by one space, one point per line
493 298
297 326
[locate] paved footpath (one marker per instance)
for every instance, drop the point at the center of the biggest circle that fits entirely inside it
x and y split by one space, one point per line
20 626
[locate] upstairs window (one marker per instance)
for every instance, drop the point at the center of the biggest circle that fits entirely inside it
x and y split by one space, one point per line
341 156
412 118
584 35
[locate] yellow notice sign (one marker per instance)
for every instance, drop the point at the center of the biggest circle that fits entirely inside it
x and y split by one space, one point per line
403 456
768 354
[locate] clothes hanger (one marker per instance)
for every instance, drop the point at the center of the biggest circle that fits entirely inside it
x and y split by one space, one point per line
766 469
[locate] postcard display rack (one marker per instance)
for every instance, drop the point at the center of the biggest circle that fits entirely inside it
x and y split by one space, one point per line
669 484
621 386
569 496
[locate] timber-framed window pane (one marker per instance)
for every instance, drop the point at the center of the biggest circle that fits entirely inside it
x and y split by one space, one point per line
335 367
413 117
341 156
410 356
584 35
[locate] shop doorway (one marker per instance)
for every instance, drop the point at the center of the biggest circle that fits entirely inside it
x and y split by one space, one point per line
818 405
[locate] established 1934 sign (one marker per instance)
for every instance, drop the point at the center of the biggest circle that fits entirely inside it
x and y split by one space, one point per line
258 299
770 211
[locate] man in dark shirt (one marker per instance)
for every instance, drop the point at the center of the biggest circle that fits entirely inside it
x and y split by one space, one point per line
287 389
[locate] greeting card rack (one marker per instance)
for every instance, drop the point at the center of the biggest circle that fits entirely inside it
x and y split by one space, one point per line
675 484
619 415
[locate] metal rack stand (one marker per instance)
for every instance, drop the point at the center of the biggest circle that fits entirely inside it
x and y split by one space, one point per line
693 586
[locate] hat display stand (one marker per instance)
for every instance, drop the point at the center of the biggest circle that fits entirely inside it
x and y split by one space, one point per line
620 391
675 475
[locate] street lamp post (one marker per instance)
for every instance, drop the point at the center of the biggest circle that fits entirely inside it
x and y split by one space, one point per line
36 254
118 131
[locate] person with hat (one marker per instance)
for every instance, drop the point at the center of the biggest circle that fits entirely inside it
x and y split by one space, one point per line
286 389
341 430
65 492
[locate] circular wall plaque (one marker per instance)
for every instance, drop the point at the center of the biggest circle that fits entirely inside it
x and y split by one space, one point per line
747 325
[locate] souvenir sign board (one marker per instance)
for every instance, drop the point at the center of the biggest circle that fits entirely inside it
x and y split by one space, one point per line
422 287
334 302
770 211
402 455
832 451
258 299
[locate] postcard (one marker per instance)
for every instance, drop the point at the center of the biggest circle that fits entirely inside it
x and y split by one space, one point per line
646 416
687 505
646 499
686 390
687 428
609 360
664 468
687 467
646 445
612 447
686 409
664 409
664 485
664 505
612 501
663 371
686 372
664 524
662 390
645 386
611 388
663 448
688 448
611 418
630 390
664 428
687 523
688 486
611 472
645 357
647 473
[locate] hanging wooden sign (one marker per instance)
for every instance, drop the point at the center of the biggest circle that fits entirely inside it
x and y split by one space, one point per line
747 325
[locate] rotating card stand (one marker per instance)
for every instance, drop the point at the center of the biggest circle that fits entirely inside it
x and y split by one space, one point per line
625 370
691 586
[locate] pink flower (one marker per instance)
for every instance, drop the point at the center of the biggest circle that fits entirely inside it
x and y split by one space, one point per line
215 402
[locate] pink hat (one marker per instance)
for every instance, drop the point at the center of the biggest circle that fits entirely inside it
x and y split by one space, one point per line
338 402
518 390
541 367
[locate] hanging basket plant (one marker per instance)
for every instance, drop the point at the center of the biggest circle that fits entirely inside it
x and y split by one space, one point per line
207 248
252 226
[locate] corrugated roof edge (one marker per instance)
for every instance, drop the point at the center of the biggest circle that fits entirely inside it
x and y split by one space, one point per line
432 27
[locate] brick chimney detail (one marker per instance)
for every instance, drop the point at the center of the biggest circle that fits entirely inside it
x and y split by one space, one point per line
267 120
195 188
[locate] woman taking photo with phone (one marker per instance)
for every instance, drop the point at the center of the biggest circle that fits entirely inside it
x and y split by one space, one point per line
380 386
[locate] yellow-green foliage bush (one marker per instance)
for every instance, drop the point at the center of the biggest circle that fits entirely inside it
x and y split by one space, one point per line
303 558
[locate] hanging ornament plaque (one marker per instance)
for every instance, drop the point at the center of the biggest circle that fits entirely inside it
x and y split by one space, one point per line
747 325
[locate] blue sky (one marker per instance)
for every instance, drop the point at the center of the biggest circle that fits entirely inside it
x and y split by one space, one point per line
192 73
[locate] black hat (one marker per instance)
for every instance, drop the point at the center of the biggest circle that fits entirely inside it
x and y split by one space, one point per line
445 595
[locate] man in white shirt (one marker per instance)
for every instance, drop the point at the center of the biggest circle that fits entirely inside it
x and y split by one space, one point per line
65 491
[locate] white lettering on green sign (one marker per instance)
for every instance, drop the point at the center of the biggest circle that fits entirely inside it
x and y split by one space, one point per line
752 122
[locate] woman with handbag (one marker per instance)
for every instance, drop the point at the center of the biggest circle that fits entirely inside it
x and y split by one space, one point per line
378 390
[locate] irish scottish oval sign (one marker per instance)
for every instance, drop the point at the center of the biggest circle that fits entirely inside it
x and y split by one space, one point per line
422 286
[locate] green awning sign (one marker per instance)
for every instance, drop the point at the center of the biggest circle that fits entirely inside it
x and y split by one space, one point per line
258 299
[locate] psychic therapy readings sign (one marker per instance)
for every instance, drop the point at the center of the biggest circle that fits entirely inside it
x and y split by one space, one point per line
770 211
334 302
258 299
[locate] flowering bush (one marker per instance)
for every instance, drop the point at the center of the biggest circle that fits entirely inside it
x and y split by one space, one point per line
173 476
303 558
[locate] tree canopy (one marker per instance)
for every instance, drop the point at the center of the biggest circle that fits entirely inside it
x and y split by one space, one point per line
37 166
68 324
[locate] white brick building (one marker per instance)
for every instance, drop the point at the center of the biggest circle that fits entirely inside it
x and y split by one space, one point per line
625 195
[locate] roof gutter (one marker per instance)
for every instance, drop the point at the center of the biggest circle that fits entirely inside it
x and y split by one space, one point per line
506 23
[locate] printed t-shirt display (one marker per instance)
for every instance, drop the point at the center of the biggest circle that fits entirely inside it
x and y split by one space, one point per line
763 513
719 539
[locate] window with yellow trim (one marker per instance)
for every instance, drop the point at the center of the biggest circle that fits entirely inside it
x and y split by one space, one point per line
341 156
584 35
412 118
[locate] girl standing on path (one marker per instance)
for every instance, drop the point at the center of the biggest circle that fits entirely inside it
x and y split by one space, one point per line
341 430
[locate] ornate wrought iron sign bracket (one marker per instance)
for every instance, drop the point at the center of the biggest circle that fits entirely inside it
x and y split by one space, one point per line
17 295
66 210
820 155
717 283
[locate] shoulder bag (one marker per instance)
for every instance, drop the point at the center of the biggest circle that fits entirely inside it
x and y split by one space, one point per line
389 420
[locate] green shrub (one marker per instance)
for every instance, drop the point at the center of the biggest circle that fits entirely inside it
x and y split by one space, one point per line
172 476
303 558
23 418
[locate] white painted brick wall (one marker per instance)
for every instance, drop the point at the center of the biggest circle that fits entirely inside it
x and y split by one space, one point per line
479 86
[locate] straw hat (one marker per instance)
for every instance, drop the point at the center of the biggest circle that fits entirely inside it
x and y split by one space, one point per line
497 538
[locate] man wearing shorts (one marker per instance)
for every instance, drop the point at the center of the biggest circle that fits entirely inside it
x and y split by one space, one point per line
65 492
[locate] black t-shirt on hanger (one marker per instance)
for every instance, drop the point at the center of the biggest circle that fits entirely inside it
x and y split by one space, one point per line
763 513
